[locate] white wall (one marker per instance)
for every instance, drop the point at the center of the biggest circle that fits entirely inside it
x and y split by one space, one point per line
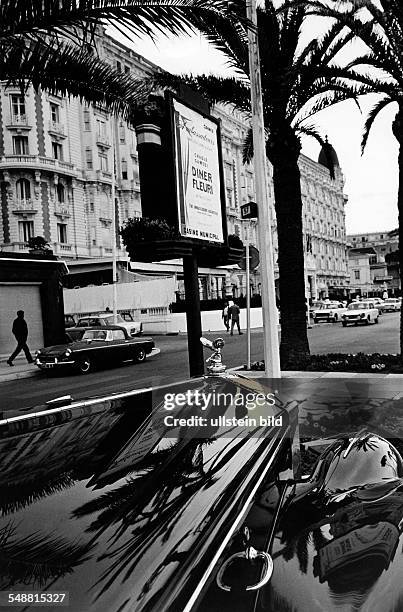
131 296
212 321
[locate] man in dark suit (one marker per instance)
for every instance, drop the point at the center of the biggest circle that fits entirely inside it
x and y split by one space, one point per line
20 331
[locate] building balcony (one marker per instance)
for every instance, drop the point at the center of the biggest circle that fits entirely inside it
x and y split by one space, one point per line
382 279
37 162
62 210
57 128
62 248
104 175
18 122
15 247
27 205
103 140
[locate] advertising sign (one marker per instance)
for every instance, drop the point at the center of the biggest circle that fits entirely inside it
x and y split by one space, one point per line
198 174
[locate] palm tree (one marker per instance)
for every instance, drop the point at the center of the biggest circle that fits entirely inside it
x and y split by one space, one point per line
52 44
297 82
379 24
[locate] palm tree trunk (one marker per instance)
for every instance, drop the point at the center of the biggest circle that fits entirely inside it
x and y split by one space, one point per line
398 132
294 346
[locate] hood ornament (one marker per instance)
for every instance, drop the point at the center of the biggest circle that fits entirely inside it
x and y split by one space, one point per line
215 366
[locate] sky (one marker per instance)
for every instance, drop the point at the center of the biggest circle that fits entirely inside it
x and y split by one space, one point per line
371 178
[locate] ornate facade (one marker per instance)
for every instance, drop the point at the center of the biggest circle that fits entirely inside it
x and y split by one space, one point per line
55 172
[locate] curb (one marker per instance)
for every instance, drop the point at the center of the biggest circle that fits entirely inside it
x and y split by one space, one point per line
18 375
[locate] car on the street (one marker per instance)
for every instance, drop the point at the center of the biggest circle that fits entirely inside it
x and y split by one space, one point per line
98 346
378 303
108 508
134 328
360 312
69 320
391 305
330 312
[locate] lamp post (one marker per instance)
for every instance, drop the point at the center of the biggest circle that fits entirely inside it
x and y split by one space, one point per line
114 249
269 309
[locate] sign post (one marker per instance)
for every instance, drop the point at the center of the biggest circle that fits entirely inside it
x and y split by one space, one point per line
269 309
247 302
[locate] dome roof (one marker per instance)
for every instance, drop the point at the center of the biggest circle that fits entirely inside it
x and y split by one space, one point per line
328 158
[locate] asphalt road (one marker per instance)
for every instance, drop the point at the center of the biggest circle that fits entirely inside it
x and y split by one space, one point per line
171 365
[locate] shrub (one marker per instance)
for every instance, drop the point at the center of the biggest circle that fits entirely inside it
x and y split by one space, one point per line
342 362
234 241
38 243
144 229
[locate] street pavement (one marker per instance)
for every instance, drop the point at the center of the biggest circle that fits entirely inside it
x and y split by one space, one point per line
18 396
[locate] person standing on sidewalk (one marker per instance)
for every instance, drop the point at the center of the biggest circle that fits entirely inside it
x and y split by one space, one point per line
20 331
225 316
234 312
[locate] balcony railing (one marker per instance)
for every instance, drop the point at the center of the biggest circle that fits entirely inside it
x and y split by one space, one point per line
103 139
37 162
57 128
18 121
21 205
62 209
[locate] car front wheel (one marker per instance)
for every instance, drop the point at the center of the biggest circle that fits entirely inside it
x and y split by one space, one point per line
84 365
344 323
140 356
335 318
376 320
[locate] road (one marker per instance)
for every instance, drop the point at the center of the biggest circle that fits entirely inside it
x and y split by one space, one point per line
171 365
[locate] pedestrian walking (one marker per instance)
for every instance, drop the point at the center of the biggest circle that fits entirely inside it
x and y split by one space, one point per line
225 316
20 331
234 312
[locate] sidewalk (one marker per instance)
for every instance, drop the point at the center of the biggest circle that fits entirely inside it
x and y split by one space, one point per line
21 369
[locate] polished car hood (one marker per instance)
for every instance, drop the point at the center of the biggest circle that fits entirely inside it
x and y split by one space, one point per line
338 544
96 502
79 345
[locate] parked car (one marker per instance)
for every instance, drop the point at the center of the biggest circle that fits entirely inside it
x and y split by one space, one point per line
97 346
378 303
360 312
134 328
391 305
69 320
329 311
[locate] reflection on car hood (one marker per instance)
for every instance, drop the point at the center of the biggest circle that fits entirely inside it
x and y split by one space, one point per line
338 544
95 502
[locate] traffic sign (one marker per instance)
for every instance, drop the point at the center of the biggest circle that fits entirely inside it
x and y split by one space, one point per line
254 258
249 210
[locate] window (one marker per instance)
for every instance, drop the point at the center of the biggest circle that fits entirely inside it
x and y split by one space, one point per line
101 128
88 159
62 233
357 274
87 121
124 169
60 193
20 145
118 334
103 162
54 112
118 66
26 230
23 189
57 150
17 105
122 132
127 69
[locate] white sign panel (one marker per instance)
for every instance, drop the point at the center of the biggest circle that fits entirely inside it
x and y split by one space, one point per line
197 175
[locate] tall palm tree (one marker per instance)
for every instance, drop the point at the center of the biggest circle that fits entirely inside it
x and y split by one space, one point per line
379 24
298 80
52 44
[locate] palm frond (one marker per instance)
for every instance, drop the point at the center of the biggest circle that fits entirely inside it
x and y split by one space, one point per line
247 147
372 115
69 70
30 17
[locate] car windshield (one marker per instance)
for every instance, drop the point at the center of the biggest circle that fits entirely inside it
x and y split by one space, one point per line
356 306
391 300
110 319
328 306
96 334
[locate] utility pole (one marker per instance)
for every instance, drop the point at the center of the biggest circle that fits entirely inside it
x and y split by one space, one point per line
114 249
269 309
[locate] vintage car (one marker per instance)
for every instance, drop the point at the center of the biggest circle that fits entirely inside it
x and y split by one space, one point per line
97 346
329 312
391 305
130 502
360 312
134 328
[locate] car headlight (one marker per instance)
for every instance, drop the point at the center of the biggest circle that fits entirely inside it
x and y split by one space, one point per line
362 315
67 352
330 312
343 316
37 353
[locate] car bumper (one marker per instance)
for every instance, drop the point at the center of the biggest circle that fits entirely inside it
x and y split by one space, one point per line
355 320
44 365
